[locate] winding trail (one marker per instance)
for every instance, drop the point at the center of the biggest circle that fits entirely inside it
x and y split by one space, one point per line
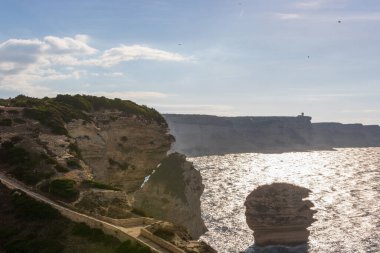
122 233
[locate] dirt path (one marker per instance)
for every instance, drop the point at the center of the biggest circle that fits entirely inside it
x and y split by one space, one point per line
132 232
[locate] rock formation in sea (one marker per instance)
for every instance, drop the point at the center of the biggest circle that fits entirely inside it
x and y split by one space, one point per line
172 193
279 214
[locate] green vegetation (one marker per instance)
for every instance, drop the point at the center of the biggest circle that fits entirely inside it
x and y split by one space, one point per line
94 184
164 234
62 188
61 169
29 208
19 121
122 166
28 226
93 234
23 164
73 164
6 122
127 247
74 150
55 112
138 212
13 112
97 235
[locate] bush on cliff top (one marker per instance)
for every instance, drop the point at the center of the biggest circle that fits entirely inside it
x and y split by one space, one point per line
55 112
63 188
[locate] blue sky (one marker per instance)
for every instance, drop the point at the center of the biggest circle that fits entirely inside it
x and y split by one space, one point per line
225 57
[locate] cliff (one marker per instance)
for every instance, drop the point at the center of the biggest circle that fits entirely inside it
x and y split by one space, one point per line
174 194
94 154
198 135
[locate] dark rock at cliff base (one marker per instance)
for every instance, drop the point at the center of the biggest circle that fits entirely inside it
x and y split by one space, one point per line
279 215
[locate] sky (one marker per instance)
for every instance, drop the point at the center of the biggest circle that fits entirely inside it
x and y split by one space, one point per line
220 57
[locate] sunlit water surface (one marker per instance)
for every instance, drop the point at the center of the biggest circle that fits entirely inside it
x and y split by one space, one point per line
345 187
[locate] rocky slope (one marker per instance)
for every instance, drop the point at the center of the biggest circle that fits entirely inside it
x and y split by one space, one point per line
94 154
279 215
198 135
29 226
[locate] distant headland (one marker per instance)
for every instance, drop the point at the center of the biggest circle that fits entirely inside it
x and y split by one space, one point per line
198 135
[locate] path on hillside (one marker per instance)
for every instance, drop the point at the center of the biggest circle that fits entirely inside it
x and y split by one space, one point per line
133 232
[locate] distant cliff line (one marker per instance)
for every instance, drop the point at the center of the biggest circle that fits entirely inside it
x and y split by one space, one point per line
198 135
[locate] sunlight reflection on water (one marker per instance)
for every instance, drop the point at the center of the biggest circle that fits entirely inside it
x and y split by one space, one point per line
345 187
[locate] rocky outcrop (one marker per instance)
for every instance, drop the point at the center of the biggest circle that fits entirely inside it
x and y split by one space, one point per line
98 152
198 135
172 193
279 215
120 150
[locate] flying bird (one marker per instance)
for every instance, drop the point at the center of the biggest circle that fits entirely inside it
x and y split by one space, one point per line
339 21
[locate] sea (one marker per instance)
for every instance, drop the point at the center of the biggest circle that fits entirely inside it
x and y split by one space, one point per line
345 190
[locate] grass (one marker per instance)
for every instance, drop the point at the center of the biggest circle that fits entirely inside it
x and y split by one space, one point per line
98 185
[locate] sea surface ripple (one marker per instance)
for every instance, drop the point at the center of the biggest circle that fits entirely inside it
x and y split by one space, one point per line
345 187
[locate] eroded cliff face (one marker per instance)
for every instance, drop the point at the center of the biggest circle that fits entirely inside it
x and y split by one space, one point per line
172 193
120 150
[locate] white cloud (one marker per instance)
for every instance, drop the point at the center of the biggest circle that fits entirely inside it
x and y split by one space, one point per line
26 63
56 45
288 16
123 53
221 110
132 95
312 4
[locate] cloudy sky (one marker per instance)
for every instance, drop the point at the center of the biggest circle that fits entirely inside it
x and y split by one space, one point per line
224 57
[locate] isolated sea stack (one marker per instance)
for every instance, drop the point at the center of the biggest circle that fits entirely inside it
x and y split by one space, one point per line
279 215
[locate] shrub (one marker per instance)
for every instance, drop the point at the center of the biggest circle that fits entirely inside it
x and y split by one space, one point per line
127 247
13 112
74 149
6 122
73 163
63 188
19 121
29 244
93 234
98 185
61 169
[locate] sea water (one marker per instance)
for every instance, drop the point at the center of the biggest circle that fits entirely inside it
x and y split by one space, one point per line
345 187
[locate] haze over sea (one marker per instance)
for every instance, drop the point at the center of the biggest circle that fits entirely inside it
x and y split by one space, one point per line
345 191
